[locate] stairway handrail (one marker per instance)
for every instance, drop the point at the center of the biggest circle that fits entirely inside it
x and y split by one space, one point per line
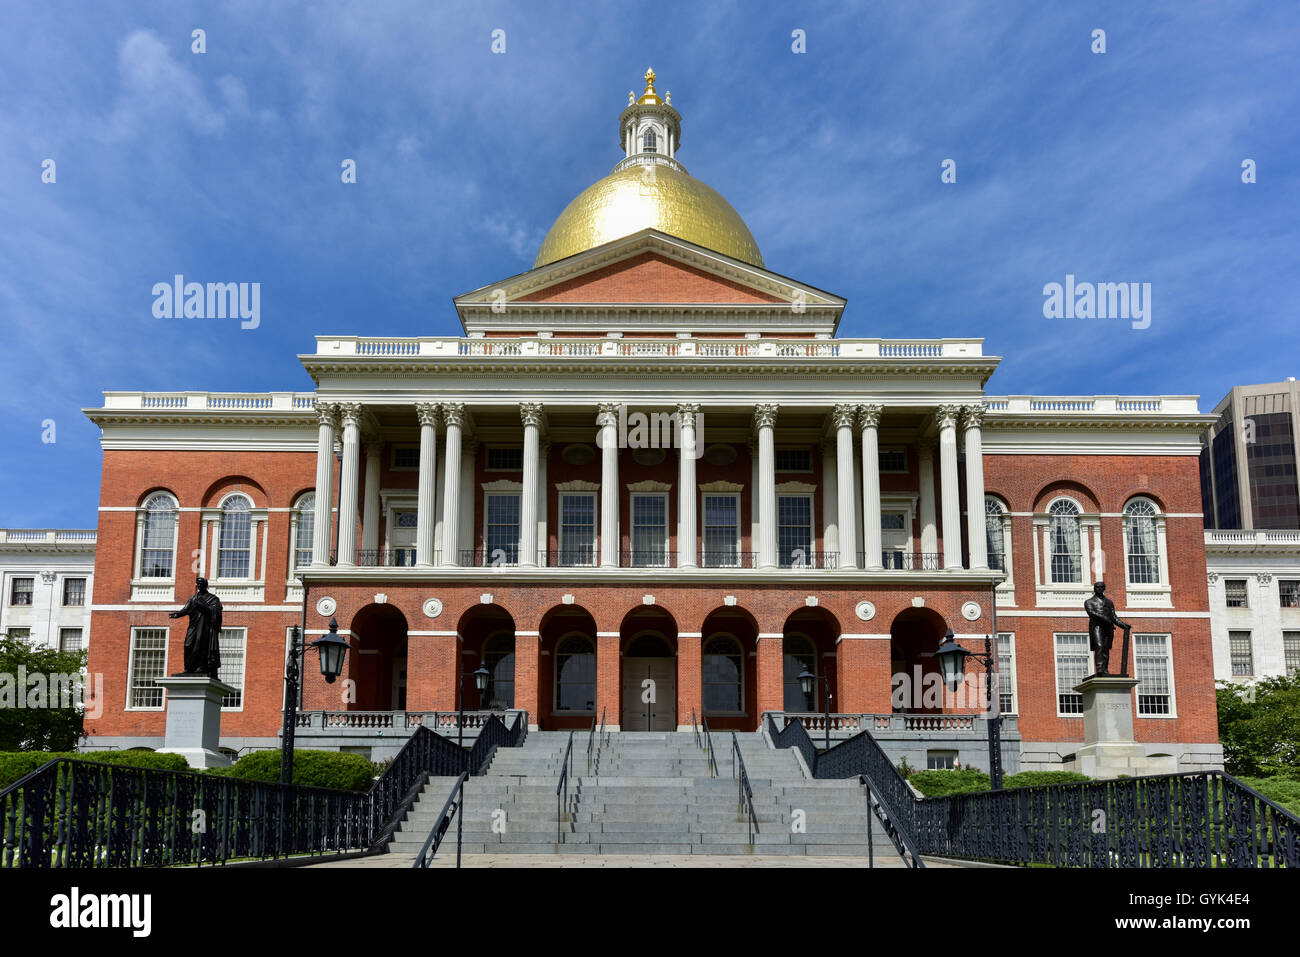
745 793
563 785
452 808
713 757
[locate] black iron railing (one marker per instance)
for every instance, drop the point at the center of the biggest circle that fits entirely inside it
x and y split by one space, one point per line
591 739
562 806
452 809
801 559
86 814
501 557
708 746
695 726
1195 819
582 557
648 558
727 558
910 561
744 793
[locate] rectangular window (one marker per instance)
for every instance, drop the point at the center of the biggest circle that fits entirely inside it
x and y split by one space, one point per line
794 530
21 634
74 591
794 460
940 760
20 592
1234 592
1291 651
406 457
148 661
1243 662
650 530
502 537
70 639
721 531
1073 664
504 458
1153 669
235 542
893 460
1007 673
1288 592
577 528
233 643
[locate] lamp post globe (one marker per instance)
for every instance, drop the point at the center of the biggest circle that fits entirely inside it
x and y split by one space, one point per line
806 682
481 677
333 649
952 660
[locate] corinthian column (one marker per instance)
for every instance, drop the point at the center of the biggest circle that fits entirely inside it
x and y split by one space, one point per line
765 421
607 439
453 414
531 413
973 419
869 420
686 534
946 417
848 523
929 526
320 536
348 484
427 412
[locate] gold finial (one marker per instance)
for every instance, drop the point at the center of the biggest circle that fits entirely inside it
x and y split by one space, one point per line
649 96
650 78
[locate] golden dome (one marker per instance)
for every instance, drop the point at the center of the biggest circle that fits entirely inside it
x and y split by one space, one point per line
632 199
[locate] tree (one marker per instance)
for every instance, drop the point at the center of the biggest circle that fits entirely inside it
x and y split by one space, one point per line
36 711
1259 727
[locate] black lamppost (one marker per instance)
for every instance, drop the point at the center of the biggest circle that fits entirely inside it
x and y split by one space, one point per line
480 682
807 682
333 648
952 660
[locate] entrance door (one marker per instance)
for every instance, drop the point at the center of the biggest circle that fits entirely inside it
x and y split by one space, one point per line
654 679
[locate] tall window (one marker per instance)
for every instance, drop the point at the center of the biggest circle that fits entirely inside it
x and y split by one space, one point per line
235 548
304 530
575 675
405 524
577 528
233 642
799 656
1007 673
1288 593
1154 671
650 530
148 661
19 634
499 660
724 690
995 534
70 639
159 539
1234 593
1291 651
1067 552
794 530
1243 662
1140 539
502 529
74 591
20 591
1073 664
649 142
721 531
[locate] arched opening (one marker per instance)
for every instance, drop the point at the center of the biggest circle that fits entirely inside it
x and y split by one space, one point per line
487 635
648 638
566 669
808 643
377 661
914 636
729 669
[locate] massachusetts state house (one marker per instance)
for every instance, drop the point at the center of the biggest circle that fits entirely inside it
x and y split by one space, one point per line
651 484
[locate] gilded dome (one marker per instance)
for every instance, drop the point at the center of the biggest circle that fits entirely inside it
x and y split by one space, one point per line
631 199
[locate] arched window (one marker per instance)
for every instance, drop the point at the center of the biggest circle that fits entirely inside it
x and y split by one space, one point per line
1141 543
995 533
575 674
499 660
649 141
1067 548
158 537
800 656
724 670
235 545
304 527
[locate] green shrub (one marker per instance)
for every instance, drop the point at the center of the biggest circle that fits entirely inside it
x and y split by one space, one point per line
954 781
18 764
1030 779
1283 790
317 769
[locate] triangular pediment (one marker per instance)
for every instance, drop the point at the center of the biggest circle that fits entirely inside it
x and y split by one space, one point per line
649 283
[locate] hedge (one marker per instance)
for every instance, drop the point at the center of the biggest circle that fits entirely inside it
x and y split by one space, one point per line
1284 790
317 769
18 764
967 780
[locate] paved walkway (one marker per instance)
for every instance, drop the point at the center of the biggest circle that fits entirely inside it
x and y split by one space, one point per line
445 859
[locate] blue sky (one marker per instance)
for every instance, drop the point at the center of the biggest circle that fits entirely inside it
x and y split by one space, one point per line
224 166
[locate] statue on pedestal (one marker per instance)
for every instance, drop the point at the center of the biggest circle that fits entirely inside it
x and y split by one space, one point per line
1102 622
202 637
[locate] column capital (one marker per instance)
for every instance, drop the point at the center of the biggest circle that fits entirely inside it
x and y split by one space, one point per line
607 414
350 413
327 414
972 416
453 413
532 413
869 415
946 416
690 409
427 413
765 414
842 415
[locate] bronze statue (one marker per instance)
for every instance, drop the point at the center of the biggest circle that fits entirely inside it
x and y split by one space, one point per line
1102 622
202 637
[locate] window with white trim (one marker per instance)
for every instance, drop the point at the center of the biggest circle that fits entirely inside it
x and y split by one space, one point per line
577 528
405 458
1243 659
794 539
70 639
20 591
147 661
1007 700
1066 542
575 675
1153 667
501 536
1291 652
893 461
1073 664
235 541
304 528
1141 543
1288 593
995 534
74 592
649 529
649 141
158 537
18 634
723 676
792 460
1234 593
721 530
503 458
234 645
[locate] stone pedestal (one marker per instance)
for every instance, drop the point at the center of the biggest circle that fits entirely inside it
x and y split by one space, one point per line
194 719
1109 749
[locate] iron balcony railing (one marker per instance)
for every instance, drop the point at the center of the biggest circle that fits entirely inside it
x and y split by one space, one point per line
727 558
648 558
891 559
